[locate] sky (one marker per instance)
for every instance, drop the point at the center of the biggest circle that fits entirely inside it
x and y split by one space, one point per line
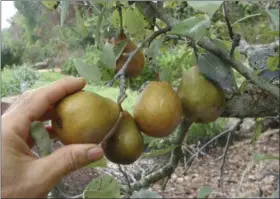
7 11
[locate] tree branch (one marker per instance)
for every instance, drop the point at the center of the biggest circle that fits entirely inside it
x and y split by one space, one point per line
176 155
252 103
242 69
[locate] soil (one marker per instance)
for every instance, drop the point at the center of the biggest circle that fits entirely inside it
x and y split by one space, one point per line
256 181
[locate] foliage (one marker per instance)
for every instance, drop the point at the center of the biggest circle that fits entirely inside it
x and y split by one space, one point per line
9 57
69 68
13 77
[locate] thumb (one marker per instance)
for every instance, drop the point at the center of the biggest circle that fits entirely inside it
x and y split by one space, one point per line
66 160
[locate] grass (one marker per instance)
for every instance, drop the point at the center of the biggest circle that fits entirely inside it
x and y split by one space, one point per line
109 92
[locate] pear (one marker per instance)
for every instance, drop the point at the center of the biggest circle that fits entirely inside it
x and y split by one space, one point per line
127 143
136 65
84 117
158 110
202 101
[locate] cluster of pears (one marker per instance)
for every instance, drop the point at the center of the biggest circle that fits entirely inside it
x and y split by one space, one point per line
86 117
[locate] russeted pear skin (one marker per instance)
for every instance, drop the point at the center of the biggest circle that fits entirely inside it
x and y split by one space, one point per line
136 65
84 117
127 143
158 110
202 101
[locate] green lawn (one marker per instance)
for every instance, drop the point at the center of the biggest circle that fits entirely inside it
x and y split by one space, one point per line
112 93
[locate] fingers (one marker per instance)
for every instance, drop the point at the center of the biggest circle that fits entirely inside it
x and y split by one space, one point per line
41 100
35 105
65 160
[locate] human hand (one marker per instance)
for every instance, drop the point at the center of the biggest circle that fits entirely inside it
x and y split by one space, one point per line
22 174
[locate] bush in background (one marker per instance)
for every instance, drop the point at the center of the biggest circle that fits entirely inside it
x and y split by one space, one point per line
13 77
9 56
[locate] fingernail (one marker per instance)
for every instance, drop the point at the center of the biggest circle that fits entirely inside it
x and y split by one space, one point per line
95 153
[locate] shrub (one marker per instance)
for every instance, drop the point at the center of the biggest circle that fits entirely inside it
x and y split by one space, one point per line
13 77
9 57
91 56
69 68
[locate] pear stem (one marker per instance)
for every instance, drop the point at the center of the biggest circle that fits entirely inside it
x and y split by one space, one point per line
119 7
103 144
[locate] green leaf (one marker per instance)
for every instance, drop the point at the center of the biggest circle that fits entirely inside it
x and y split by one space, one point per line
208 7
134 22
104 186
155 46
185 25
52 5
99 163
204 191
118 49
271 33
64 10
98 40
243 86
145 193
108 57
195 27
165 74
260 157
218 72
91 21
41 138
146 10
81 28
273 63
258 130
274 16
91 73
199 30
159 152
227 46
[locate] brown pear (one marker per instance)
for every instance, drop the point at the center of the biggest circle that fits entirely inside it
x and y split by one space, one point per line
136 65
158 110
127 143
202 101
84 117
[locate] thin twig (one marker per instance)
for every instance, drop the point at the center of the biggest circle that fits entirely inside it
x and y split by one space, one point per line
126 178
247 17
195 50
123 87
234 37
221 180
165 182
111 132
231 129
133 53
235 43
119 7
230 31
